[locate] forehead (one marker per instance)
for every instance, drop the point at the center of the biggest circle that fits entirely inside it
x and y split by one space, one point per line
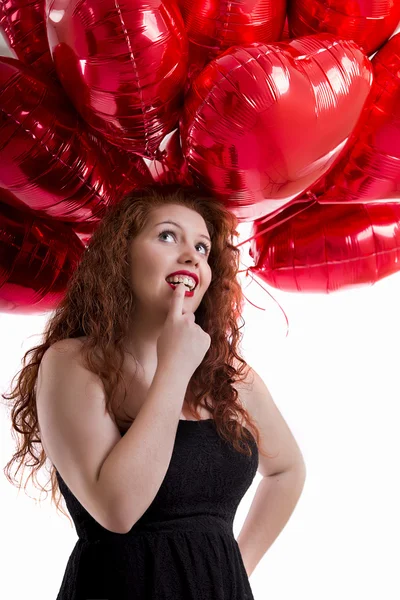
176 212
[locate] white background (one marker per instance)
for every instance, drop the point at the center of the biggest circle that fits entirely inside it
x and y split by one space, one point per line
335 379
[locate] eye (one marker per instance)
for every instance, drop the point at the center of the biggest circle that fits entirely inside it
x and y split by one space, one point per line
206 246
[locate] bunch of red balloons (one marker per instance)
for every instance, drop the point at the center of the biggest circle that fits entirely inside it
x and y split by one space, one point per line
288 114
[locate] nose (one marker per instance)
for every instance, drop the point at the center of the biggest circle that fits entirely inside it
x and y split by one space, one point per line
189 255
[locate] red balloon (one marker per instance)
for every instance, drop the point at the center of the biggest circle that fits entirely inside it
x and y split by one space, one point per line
128 170
47 160
369 169
369 23
286 33
323 249
24 27
262 123
37 259
169 166
124 66
215 26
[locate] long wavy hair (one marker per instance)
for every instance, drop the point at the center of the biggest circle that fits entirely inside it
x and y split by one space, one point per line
98 304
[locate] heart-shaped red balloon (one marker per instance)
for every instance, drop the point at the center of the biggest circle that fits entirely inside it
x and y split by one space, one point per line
323 249
37 259
216 25
369 169
124 66
24 27
350 236
262 123
369 23
47 160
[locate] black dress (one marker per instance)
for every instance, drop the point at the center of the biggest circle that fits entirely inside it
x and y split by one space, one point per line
183 547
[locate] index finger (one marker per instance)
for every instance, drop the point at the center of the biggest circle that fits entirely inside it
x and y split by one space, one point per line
178 295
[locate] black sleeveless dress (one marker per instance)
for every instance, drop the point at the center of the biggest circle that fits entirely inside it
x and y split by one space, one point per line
183 547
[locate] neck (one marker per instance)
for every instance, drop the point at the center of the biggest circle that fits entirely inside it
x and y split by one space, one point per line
141 340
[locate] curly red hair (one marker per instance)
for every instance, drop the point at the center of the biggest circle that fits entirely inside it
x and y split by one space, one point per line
99 309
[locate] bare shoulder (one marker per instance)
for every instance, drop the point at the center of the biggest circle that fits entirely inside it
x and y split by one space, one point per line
77 342
245 385
275 433
68 346
252 389
248 378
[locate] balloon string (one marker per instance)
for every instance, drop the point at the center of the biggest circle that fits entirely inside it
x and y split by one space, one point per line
313 200
248 272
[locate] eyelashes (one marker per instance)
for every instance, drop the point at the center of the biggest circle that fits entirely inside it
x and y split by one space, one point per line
206 246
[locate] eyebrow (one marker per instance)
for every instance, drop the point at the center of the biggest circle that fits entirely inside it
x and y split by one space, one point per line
180 227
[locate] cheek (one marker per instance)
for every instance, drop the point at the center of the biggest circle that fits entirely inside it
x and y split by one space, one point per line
207 281
138 279
144 263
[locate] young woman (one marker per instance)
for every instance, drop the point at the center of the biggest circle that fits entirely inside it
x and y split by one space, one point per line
138 398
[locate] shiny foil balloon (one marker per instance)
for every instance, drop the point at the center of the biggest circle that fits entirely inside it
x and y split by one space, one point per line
169 166
215 26
286 33
37 259
323 249
369 23
24 27
262 123
369 169
124 66
46 158
128 170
